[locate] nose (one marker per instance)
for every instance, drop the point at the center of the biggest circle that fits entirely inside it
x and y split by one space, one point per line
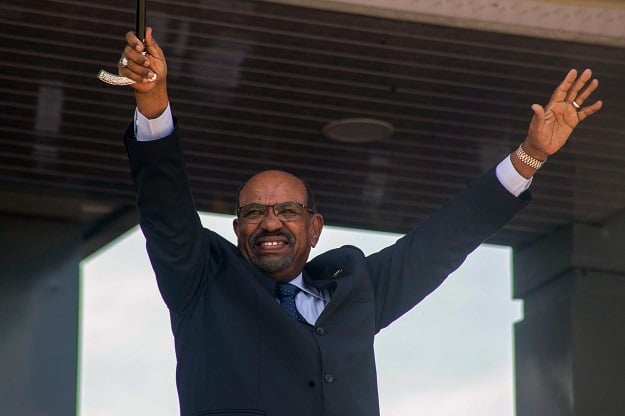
271 222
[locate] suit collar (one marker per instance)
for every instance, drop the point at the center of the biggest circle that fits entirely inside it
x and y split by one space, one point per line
331 271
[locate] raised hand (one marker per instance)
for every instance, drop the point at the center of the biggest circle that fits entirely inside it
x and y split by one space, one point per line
552 125
146 65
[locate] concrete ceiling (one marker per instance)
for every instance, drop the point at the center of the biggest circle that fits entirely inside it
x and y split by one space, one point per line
596 22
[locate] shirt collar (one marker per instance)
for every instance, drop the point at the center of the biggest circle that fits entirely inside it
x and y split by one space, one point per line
299 282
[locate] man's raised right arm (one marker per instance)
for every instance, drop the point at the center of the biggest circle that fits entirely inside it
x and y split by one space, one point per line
168 217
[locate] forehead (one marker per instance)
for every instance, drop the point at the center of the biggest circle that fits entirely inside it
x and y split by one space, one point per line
272 187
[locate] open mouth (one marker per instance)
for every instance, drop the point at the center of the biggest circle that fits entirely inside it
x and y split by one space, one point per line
271 245
271 242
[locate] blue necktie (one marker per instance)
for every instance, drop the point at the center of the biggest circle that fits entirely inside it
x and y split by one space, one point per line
286 296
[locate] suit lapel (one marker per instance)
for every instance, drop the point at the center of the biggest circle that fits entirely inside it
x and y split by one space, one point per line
329 272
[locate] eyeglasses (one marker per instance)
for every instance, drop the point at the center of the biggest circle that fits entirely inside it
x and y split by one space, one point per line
285 211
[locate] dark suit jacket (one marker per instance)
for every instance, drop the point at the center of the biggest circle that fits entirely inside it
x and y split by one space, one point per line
237 352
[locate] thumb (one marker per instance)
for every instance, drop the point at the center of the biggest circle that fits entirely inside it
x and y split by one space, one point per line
151 46
538 120
537 123
539 111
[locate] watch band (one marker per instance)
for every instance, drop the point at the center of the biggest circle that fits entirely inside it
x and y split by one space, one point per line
527 159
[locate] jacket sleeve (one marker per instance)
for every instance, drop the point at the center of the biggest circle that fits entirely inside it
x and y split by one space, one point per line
406 272
167 216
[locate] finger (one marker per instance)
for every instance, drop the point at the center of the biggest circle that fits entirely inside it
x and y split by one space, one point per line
586 92
136 66
538 120
135 56
589 110
134 42
149 39
562 90
151 45
539 111
577 86
137 73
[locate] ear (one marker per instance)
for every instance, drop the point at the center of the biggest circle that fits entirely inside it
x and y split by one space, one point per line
235 226
317 226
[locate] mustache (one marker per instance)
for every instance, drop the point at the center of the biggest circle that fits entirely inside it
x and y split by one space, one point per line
262 234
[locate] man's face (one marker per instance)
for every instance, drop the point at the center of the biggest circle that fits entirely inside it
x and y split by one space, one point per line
279 248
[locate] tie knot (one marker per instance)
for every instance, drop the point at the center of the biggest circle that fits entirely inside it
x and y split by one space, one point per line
287 290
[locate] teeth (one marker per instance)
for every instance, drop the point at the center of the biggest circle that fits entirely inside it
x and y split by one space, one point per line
270 243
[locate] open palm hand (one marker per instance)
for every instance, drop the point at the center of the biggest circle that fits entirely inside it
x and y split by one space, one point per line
552 125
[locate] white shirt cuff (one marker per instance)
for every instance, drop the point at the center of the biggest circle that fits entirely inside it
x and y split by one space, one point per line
153 129
511 179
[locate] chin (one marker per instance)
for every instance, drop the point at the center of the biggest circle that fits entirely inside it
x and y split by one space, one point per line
273 266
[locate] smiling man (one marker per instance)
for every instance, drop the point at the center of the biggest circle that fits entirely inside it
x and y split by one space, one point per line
276 223
258 329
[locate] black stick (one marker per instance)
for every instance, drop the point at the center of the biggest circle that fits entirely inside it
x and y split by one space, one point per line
140 23
140 32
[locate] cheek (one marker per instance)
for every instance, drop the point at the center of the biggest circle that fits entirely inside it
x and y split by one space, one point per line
303 237
243 233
